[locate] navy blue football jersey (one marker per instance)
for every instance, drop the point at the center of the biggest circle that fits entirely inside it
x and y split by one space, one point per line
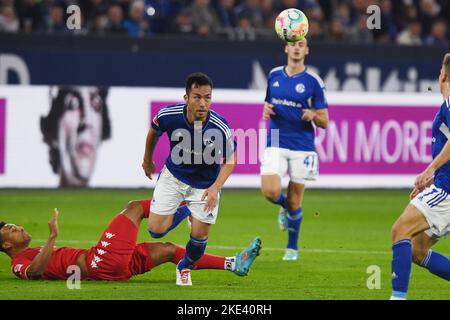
196 150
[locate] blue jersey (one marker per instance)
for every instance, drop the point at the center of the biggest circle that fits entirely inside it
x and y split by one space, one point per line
195 152
289 95
441 134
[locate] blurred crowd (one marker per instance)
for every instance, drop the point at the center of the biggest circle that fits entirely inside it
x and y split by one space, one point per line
406 22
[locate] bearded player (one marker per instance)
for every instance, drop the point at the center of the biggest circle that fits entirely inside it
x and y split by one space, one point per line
116 256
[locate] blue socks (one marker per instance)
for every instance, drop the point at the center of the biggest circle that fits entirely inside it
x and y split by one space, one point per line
437 264
401 267
195 248
280 200
294 219
179 215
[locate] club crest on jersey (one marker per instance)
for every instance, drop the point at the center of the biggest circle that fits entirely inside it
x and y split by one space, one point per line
300 88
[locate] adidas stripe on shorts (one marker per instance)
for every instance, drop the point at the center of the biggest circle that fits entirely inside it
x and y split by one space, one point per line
434 203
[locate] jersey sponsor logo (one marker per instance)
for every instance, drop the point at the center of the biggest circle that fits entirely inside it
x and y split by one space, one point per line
286 102
276 84
300 88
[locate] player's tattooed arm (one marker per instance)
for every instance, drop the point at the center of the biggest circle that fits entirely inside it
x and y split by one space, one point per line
41 261
148 165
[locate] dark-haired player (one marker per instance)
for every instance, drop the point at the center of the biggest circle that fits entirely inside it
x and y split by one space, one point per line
116 256
200 139
294 103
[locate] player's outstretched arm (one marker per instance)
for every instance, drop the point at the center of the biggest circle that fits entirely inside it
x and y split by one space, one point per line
427 175
41 261
211 194
148 165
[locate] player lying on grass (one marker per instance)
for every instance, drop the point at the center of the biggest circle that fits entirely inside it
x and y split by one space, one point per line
116 256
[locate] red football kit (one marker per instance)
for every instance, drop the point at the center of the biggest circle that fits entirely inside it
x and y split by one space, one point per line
115 257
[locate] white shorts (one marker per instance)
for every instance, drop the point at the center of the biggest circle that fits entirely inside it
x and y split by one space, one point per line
301 165
170 192
434 203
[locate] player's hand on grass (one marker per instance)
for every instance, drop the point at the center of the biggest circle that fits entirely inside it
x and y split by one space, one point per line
53 224
211 196
308 115
268 111
149 168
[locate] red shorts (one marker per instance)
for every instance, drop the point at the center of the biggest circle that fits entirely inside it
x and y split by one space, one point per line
117 256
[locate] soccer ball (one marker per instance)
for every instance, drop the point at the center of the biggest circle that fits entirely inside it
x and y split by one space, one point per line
291 25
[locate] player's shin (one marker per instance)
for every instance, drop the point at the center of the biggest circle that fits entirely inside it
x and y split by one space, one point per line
195 249
281 200
401 268
437 264
294 219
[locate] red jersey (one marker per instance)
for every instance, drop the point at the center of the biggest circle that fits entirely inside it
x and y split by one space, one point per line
115 257
61 259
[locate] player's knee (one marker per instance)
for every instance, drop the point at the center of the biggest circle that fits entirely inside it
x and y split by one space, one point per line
293 203
397 233
134 210
133 205
270 193
156 230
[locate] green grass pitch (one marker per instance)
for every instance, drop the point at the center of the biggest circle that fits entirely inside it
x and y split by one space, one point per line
343 233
